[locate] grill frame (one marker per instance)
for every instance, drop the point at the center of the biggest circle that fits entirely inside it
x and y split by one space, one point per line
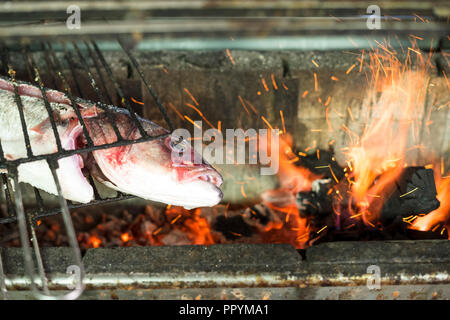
102 103
27 221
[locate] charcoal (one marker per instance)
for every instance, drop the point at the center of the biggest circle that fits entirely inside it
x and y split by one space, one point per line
317 164
259 213
232 227
414 192
261 217
316 203
427 235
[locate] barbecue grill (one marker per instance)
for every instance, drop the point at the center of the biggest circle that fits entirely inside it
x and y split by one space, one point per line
115 41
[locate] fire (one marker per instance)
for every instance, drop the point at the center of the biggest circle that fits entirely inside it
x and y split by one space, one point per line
440 216
125 237
292 177
95 241
393 107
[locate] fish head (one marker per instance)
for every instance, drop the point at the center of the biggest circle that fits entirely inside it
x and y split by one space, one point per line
165 169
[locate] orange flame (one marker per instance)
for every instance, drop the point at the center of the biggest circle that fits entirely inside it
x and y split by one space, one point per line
393 107
440 216
292 177
95 241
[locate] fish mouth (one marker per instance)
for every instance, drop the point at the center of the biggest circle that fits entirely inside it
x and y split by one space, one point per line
213 178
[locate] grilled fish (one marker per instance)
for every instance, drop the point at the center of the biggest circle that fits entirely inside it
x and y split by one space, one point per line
158 170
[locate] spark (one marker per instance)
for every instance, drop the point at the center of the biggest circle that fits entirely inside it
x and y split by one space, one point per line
415 37
305 93
405 194
191 96
284 86
196 109
446 80
316 86
282 121
175 219
230 56
274 83
315 63
170 104
191 121
252 106
332 173
350 113
362 61
243 104
157 231
350 69
243 192
330 128
135 101
200 114
321 229
411 49
267 122
334 78
421 19
265 84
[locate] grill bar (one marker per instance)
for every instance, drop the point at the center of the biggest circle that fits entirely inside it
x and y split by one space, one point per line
99 73
136 67
68 92
124 101
38 81
99 94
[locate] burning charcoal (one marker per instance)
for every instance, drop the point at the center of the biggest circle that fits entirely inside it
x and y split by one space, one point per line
318 161
155 215
233 227
414 193
261 217
438 233
176 237
279 197
316 203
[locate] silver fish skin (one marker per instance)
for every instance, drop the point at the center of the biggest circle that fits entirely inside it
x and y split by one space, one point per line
148 169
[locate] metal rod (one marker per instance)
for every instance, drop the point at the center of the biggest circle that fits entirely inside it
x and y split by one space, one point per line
70 62
3 280
40 264
18 100
69 93
99 94
39 83
160 105
124 101
100 75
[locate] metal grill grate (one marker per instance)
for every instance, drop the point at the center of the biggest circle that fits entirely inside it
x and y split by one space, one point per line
12 193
